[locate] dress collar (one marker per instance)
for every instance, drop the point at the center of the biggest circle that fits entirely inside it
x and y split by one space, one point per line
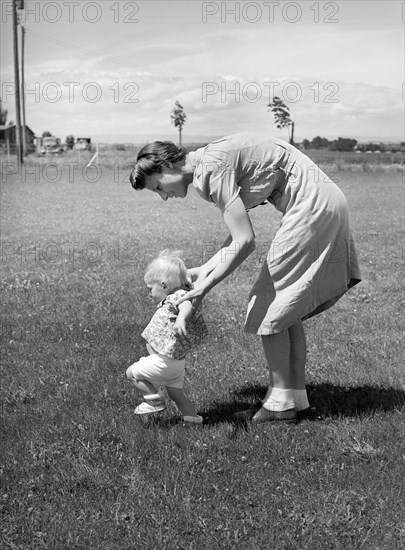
195 157
183 287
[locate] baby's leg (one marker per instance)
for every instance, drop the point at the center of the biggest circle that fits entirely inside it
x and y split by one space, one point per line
153 401
184 404
145 387
151 351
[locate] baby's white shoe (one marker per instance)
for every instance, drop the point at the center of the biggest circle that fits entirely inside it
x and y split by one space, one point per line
193 420
153 403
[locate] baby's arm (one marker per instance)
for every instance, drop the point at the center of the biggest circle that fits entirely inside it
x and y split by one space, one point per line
185 312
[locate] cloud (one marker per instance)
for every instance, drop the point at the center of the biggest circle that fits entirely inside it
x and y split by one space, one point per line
336 78
225 104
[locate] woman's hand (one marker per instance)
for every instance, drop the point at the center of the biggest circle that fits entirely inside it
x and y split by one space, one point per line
237 248
197 274
195 296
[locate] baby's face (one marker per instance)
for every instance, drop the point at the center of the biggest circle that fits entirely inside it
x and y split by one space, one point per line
156 291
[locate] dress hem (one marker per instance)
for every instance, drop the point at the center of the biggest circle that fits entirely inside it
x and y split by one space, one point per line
319 309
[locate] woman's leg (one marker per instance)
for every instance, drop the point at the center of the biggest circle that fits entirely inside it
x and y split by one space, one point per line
297 363
278 403
298 357
277 350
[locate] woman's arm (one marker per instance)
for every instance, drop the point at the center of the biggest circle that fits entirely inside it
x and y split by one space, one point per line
198 274
226 260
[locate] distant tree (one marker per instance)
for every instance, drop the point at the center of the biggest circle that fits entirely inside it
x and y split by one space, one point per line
179 118
374 147
306 143
319 143
3 115
47 133
282 116
70 141
343 144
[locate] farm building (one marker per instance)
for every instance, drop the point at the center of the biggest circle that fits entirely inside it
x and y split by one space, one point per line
83 143
8 138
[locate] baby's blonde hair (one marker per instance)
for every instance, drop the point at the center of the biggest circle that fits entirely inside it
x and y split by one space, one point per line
169 268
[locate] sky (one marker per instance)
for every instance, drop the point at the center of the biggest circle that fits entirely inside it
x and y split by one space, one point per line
113 70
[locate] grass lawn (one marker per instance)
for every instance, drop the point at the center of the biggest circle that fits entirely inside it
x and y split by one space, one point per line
80 472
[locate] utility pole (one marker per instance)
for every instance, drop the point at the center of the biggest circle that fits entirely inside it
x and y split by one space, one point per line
20 158
24 137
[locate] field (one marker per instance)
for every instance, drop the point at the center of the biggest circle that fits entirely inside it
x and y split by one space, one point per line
80 472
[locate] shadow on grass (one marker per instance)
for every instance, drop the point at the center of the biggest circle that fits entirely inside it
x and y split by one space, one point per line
329 401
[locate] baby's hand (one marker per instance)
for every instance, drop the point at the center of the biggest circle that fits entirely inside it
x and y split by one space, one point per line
179 328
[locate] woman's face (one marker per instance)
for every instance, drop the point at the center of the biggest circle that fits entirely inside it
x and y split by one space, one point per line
168 184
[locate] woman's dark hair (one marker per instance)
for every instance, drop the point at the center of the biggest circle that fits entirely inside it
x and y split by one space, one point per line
151 158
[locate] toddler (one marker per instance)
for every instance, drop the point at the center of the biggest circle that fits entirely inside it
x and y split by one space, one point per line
173 330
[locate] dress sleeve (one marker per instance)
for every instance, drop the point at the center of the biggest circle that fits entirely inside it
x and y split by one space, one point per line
218 176
173 300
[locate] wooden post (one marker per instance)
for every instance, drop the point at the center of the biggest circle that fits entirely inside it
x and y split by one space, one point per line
292 134
24 133
17 86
